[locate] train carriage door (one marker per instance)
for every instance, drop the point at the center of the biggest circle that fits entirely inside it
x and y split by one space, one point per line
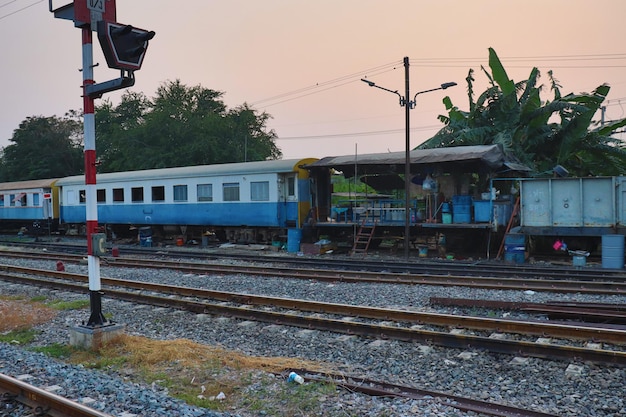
46 204
288 207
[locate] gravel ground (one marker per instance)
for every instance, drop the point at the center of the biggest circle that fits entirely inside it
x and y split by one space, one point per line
547 386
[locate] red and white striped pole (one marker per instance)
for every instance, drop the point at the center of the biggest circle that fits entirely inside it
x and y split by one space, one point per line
96 318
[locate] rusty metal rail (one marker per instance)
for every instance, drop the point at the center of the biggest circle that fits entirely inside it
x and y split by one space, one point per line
586 312
382 331
383 389
43 402
489 282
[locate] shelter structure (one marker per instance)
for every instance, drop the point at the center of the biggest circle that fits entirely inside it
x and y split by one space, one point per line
446 186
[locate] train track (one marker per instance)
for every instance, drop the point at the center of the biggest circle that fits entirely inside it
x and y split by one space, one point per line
17 394
377 388
601 285
387 264
362 321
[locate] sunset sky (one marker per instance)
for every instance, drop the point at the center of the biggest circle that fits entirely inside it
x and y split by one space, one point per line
302 61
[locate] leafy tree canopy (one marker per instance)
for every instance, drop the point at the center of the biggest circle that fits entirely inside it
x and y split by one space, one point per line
44 147
181 126
541 134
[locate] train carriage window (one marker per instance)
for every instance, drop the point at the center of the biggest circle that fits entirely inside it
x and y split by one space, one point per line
180 193
231 191
36 199
81 197
21 199
205 192
101 195
158 193
136 194
12 200
118 195
260 191
291 186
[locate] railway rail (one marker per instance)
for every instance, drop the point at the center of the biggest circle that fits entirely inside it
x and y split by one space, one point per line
389 264
381 323
40 402
587 312
378 388
499 281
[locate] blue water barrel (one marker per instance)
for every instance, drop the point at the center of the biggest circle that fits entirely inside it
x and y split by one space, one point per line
461 209
293 240
613 251
515 248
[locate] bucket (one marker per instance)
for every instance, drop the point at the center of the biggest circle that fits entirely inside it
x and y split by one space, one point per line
180 241
462 209
446 218
482 211
423 251
144 234
613 251
579 260
293 240
514 248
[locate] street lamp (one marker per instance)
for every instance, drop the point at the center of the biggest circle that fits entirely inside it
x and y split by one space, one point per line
407 163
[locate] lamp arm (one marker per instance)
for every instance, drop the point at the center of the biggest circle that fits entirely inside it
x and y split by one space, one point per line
372 84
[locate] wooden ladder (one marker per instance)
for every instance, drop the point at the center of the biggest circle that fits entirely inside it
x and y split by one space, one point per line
363 237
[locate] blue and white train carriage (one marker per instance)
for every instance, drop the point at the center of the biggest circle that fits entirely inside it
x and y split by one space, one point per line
239 202
32 204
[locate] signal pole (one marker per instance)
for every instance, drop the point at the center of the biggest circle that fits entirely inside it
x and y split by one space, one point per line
93 262
124 48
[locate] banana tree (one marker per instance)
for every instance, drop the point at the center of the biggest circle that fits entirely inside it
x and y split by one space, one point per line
540 134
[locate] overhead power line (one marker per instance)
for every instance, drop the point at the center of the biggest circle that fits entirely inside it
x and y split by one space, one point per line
18 10
354 134
326 85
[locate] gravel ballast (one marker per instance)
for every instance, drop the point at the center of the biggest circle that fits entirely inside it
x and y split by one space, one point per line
560 388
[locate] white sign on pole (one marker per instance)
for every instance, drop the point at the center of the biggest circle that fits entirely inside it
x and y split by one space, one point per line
96 5
96 9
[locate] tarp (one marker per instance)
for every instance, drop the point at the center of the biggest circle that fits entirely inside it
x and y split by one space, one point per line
491 157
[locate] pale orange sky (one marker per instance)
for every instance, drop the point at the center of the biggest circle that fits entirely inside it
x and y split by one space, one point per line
301 61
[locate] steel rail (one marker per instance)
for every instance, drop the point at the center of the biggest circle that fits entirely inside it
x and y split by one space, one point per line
378 388
380 331
596 312
50 403
499 283
538 328
419 266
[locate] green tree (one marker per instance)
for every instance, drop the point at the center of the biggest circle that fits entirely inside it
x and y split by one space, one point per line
44 147
540 134
181 126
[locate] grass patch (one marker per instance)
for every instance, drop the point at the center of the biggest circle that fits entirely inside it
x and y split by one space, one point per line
20 336
17 314
197 374
68 305
56 350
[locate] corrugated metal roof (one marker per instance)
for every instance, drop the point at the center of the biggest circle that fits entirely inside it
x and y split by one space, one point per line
491 156
23 185
241 168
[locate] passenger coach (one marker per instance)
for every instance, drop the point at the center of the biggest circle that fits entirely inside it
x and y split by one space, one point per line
248 201
33 204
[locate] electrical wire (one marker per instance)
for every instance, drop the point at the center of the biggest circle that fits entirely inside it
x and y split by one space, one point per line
18 10
7 3
354 134
336 82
